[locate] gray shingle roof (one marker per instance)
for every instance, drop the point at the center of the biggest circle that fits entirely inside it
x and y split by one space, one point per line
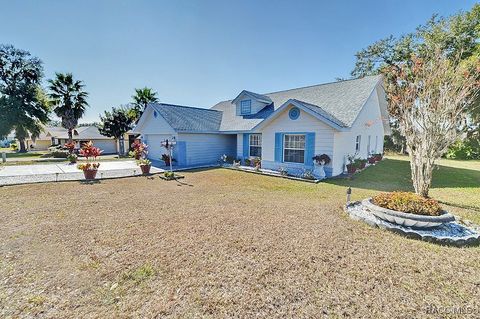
186 118
322 113
84 133
338 101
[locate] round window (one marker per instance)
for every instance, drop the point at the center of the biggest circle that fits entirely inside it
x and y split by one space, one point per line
294 113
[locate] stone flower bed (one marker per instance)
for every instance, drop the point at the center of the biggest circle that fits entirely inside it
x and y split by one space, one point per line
455 233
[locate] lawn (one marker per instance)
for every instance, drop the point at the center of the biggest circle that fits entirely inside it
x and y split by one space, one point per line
226 244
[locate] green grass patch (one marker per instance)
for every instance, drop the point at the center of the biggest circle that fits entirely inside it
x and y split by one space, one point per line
140 274
455 183
28 154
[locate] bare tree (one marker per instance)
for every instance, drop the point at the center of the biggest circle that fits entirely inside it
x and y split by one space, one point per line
430 97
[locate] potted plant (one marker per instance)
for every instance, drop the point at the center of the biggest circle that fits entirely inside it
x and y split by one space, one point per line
72 158
145 165
248 162
69 146
139 150
91 153
319 162
257 163
166 158
360 163
351 167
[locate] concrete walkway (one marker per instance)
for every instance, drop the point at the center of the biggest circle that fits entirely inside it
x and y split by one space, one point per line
24 174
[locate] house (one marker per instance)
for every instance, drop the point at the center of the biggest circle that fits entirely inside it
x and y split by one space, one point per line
59 136
285 129
7 140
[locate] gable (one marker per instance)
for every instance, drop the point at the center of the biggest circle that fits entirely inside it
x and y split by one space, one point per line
151 122
255 104
340 100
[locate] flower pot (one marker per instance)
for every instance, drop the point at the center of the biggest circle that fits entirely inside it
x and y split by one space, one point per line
90 174
372 160
407 219
351 169
145 169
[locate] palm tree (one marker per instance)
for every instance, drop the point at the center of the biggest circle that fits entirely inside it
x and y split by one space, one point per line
69 100
141 99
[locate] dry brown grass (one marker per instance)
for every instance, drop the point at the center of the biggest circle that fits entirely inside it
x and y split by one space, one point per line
229 244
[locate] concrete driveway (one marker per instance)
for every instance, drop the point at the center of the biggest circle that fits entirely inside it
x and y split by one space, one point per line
23 174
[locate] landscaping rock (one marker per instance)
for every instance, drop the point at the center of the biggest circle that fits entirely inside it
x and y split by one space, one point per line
453 233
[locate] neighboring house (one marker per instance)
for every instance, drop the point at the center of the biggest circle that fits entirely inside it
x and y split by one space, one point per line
84 134
285 129
45 139
5 142
59 136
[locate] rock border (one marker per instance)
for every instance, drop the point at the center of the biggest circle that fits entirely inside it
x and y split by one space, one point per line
357 211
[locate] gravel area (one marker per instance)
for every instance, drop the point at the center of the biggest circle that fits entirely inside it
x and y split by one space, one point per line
217 244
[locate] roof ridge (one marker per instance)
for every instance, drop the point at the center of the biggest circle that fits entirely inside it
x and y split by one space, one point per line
322 84
304 87
185 106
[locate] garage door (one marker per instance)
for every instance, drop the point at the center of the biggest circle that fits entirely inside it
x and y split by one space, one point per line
155 149
108 146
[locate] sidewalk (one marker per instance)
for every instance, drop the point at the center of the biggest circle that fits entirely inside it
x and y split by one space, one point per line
25 174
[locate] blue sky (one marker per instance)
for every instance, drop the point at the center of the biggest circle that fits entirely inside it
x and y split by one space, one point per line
198 53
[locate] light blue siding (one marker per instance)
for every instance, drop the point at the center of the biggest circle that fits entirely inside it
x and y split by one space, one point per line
180 153
203 149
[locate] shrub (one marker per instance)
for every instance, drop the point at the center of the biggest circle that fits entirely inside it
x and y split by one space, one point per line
14 146
60 154
466 150
408 203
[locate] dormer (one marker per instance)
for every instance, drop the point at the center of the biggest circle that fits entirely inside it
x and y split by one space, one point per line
249 103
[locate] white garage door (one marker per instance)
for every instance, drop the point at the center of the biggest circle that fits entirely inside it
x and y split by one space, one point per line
108 146
155 149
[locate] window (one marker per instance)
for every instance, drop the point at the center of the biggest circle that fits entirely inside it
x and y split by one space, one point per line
357 143
246 107
294 148
256 145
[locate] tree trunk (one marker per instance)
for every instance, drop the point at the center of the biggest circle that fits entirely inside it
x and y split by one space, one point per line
422 169
22 148
121 143
70 136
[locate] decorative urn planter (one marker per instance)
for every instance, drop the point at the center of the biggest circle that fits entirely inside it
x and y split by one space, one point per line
319 171
145 169
90 174
351 169
407 219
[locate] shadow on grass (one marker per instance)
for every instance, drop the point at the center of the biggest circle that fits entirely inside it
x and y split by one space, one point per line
391 175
